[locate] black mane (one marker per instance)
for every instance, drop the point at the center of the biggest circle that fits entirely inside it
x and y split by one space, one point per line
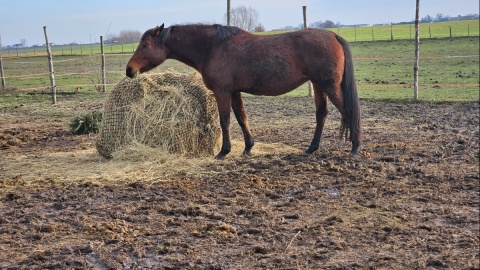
222 30
226 31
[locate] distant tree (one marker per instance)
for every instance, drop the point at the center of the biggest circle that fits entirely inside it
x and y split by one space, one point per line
23 42
427 18
441 18
244 18
329 24
259 28
124 37
110 37
324 24
130 36
316 24
289 28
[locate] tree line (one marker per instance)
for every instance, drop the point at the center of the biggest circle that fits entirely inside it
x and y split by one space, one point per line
444 18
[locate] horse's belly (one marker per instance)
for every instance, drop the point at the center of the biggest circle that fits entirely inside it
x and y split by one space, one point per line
275 88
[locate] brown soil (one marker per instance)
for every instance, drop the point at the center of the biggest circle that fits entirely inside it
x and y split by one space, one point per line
411 201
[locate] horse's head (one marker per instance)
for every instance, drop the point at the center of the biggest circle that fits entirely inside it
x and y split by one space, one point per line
149 54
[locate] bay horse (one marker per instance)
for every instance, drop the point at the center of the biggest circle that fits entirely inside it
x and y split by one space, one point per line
232 61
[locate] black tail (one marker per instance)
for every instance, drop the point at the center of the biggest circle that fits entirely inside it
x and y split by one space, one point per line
352 104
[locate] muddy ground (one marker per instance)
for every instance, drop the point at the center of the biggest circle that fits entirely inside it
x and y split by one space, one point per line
411 201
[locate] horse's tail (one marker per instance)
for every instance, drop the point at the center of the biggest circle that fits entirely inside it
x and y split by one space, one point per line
353 123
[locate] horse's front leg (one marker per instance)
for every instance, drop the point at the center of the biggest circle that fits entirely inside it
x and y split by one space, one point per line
223 105
241 115
320 115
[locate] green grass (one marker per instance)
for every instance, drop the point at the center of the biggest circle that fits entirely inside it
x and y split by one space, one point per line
468 28
449 71
407 31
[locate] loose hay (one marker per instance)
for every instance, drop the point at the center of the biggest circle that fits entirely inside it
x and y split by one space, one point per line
171 112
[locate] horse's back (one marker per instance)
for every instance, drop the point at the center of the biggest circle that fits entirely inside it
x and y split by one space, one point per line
274 64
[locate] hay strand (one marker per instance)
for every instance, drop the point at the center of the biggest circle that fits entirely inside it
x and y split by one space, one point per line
171 112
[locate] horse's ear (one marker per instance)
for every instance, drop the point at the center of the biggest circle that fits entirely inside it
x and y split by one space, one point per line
157 30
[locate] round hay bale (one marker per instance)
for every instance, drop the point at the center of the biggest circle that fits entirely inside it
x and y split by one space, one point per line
170 111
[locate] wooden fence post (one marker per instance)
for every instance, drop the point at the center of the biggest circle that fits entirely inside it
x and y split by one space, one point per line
228 12
1 66
104 81
1 71
417 51
310 86
50 67
391 31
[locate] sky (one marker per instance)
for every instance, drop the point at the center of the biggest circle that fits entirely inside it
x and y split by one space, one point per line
85 21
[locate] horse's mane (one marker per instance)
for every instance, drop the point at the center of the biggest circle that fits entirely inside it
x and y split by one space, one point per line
226 31
223 32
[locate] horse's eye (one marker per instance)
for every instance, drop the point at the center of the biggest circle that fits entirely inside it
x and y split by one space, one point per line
146 44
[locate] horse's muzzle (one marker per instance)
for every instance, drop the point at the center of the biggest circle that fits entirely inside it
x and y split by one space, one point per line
131 73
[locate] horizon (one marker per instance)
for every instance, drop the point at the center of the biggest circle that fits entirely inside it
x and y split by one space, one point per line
86 23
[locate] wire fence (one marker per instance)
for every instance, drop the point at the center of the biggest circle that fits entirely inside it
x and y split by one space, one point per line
71 49
407 31
351 34
79 67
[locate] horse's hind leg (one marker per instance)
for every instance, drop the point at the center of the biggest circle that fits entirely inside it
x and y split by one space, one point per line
240 114
337 99
320 115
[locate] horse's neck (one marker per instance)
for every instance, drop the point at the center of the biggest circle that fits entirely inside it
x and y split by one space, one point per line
190 46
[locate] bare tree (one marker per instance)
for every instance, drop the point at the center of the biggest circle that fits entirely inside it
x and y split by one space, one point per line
259 28
244 18
23 42
125 36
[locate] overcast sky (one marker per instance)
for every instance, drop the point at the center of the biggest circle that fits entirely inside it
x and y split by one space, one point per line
86 20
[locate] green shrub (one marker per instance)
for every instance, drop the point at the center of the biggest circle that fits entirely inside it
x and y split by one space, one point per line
87 123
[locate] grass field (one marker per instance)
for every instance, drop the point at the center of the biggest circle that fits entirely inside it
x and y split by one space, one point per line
468 28
449 71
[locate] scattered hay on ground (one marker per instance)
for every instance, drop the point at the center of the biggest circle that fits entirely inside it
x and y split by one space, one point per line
136 162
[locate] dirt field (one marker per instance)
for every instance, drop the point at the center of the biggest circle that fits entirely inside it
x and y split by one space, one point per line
411 201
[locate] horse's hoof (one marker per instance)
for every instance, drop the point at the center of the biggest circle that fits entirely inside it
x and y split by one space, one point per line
220 157
247 154
310 151
355 155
